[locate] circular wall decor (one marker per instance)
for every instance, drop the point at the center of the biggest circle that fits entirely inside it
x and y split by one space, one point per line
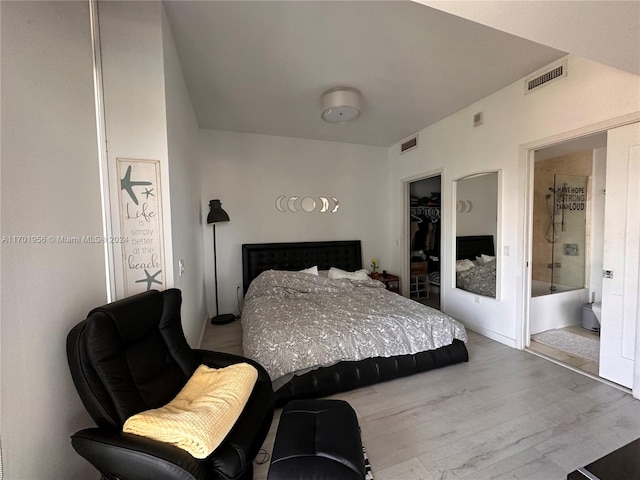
308 204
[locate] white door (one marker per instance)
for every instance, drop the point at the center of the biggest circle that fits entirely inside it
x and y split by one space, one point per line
618 331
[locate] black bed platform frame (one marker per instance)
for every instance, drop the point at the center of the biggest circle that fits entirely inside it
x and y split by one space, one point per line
346 375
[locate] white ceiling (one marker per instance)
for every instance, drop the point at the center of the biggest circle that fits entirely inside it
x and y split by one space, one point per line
605 31
262 66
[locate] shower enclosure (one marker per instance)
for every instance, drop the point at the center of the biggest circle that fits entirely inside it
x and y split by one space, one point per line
566 232
559 252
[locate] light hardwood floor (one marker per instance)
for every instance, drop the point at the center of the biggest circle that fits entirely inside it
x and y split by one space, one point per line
506 414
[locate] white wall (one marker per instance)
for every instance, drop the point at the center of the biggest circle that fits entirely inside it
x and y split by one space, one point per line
149 116
134 97
591 93
49 187
247 172
184 171
479 217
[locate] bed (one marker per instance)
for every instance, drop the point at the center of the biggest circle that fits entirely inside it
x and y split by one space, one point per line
289 316
476 264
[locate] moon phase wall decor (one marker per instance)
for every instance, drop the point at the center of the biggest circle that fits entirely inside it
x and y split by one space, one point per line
464 206
296 204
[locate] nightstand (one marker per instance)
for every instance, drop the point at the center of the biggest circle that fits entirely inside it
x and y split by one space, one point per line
391 282
419 281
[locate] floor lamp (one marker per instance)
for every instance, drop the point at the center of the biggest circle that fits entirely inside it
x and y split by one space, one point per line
217 214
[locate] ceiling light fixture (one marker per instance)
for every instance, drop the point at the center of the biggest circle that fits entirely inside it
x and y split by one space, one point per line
341 105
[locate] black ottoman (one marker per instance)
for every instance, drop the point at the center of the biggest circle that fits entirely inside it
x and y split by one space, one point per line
317 440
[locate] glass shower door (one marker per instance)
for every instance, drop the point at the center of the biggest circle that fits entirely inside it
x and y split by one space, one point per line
569 253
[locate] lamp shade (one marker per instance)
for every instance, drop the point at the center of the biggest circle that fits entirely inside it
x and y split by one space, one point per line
216 212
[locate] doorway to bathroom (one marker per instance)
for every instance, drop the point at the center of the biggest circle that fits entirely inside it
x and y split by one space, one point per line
608 297
567 250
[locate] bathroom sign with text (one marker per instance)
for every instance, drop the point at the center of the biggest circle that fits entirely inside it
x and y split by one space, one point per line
140 198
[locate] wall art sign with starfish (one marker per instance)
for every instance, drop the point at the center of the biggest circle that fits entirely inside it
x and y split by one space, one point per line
141 220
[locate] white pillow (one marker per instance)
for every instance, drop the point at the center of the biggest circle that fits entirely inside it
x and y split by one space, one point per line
464 265
336 273
479 261
487 258
311 270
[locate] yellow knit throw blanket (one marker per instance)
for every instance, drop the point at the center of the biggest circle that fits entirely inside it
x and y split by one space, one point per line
199 418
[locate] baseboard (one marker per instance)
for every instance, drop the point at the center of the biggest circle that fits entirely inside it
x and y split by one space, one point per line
485 332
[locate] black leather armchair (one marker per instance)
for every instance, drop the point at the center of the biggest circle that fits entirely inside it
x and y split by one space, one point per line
130 356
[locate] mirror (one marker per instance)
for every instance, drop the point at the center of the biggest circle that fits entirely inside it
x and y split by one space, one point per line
476 198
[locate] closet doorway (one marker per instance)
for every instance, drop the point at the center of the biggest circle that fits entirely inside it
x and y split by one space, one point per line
424 240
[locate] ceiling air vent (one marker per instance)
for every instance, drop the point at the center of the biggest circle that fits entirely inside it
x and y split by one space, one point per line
538 79
409 144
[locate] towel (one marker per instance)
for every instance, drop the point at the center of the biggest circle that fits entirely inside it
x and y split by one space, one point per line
199 418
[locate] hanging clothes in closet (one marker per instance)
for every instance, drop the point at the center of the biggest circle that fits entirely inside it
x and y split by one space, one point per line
425 227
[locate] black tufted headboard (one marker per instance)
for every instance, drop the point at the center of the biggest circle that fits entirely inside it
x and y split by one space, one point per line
258 257
473 246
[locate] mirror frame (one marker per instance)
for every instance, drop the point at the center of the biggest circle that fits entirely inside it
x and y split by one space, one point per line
498 247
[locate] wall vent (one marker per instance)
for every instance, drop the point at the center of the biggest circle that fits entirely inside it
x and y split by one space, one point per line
540 79
409 144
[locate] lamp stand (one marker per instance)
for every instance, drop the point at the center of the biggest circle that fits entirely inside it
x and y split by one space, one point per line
225 317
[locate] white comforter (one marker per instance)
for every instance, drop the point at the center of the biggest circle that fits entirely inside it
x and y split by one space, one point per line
293 322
